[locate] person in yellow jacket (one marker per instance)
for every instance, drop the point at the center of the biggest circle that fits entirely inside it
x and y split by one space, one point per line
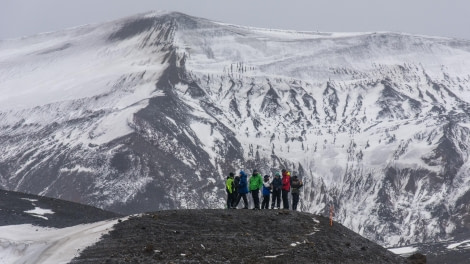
230 189
256 183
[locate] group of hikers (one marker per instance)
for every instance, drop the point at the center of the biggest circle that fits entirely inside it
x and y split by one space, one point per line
237 187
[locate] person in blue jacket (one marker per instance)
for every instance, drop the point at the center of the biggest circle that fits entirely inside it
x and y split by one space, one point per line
266 192
242 190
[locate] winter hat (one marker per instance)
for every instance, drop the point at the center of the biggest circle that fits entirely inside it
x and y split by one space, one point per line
255 171
266 176
277 174
231 174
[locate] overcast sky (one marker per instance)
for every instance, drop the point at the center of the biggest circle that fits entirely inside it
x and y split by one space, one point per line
448 18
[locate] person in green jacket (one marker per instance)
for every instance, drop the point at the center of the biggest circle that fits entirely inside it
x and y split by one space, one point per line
255 184
230 189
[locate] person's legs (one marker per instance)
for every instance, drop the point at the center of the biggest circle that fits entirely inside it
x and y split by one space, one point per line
245 201
265 204
278 199
229 200
255 195
295 201
234 199
274 199
237 200
285 199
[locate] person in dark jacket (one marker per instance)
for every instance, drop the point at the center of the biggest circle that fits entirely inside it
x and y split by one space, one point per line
230 189
266 192
276 189
285 188
295 185
242 190
236 185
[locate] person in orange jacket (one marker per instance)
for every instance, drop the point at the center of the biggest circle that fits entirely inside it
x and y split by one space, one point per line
285 188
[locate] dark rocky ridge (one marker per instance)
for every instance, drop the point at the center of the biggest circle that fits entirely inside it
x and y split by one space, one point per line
233 236
14 204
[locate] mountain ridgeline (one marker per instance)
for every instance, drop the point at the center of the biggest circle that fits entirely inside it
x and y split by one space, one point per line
153 111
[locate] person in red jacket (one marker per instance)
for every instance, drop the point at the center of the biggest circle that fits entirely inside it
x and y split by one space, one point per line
285 188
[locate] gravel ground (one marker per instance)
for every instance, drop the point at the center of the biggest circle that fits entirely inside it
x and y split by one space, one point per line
233 236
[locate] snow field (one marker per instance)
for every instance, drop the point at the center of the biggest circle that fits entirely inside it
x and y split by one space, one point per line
30 244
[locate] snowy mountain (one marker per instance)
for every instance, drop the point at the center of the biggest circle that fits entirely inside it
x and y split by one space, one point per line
151 112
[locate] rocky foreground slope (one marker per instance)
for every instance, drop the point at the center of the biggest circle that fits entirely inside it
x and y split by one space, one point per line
233 236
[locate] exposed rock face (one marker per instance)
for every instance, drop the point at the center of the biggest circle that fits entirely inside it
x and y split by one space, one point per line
152 112
235 236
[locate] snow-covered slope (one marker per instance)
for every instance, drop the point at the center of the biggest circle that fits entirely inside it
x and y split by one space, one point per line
152 111
37 229
31 244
